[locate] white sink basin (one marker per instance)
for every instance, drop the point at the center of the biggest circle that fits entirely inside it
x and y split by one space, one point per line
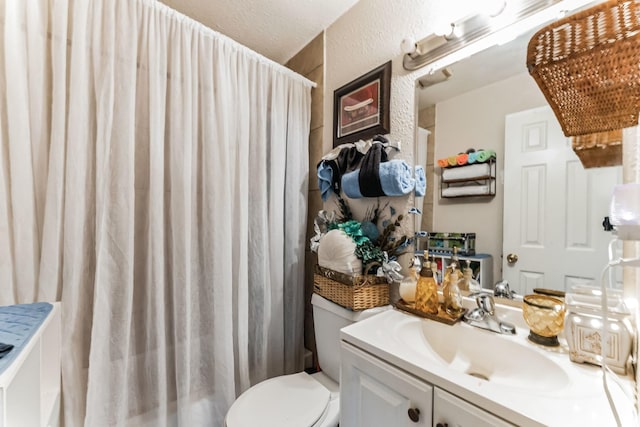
498 359
507 375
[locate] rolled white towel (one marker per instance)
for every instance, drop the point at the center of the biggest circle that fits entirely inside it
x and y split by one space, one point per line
466 172
466 190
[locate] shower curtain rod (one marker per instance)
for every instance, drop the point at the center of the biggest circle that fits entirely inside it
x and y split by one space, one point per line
215 34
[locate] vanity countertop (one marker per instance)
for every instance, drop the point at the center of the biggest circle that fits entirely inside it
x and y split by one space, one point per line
533 385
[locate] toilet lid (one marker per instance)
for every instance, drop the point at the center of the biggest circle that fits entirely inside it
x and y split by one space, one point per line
295 400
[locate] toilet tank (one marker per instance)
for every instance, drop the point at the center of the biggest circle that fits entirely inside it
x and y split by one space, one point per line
328 319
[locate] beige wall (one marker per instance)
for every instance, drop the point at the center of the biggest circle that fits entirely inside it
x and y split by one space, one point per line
476 119
427 120
310 63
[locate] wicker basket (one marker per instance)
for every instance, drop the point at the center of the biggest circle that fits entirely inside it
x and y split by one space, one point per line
599 149
587 67
357 292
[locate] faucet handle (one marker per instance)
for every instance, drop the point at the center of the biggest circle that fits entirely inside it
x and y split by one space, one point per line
485 302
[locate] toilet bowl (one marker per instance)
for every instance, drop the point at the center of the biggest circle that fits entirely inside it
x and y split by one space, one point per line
302 400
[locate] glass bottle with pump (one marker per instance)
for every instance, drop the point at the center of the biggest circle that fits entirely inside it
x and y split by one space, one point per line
427 291
468 283
434 271
451 290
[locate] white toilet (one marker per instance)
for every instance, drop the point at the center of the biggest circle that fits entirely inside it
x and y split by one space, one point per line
302 400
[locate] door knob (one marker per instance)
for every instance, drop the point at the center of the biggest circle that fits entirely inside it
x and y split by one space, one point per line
512 258
414 414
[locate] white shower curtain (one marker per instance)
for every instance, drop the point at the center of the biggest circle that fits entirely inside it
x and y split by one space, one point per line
153 177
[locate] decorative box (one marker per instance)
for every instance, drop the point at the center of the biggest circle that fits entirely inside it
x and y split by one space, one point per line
445 242
583 328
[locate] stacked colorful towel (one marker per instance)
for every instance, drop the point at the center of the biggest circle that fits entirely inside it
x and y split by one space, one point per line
470 157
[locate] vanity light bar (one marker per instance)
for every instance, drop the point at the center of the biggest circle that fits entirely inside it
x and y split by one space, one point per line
480 32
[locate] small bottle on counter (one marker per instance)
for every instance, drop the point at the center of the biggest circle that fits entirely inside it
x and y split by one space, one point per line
407 287
468 283
451 291
434 271
427 291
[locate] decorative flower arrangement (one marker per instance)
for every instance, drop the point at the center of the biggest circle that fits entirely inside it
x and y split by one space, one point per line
378 250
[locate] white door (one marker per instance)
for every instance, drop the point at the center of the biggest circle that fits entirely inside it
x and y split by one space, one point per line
553 207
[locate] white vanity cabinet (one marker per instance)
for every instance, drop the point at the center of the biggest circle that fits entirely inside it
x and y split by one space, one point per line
374 393
463 376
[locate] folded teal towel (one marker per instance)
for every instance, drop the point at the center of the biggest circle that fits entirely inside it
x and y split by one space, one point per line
421 181
396 179
485 155
473 157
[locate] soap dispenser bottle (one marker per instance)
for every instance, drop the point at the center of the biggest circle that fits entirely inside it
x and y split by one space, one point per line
434 271
427 291
468 283
451 291
407 287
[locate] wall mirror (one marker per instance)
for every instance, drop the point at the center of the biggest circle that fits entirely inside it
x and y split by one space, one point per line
547 210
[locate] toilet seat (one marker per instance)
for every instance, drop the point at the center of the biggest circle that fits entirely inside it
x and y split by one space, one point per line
295 400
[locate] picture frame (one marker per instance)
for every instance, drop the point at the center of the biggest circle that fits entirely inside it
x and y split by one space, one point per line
361 107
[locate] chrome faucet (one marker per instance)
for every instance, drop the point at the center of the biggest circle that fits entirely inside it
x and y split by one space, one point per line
483 316
501 289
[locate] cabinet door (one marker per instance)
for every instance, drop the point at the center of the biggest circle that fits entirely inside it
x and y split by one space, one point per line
375 394
451 411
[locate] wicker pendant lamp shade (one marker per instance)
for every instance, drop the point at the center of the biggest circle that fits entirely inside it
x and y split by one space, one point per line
588 68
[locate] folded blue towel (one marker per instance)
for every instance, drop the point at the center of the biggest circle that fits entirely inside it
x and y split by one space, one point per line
350 185
325 179
421 181
396 179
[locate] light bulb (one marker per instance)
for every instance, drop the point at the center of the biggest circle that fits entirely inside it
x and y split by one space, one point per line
448 31
442 28
408 46
494 8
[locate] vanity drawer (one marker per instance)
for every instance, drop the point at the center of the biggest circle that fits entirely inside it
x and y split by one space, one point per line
452 411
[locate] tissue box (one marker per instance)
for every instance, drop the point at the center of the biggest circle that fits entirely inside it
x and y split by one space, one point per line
445 242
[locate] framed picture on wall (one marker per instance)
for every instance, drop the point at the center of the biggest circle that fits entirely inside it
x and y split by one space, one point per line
361 107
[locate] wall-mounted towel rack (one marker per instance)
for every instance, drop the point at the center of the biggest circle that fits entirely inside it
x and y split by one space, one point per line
470 180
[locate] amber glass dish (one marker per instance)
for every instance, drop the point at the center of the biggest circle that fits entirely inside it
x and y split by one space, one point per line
545 317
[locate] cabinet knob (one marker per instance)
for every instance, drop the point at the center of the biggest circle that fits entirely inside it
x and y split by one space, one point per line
512 258
414 414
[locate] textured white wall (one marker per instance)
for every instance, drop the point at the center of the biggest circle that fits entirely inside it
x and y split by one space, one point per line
367 36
